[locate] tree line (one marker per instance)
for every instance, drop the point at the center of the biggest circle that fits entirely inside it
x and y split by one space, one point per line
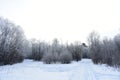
14 48
56 52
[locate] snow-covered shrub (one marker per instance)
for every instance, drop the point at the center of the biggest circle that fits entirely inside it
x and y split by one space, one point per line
65 56
57 53
52 53
50 57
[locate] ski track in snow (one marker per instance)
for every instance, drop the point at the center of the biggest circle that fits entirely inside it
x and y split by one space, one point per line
85 72
82 70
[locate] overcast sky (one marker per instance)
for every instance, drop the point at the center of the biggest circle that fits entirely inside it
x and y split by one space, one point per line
67 20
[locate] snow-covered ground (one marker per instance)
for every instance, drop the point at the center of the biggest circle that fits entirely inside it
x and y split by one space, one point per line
82 70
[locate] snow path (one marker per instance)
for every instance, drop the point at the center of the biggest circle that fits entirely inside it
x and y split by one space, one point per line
82 70
85 72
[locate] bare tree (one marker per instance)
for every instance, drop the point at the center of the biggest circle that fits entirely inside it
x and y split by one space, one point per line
37 50
117 56
65 56
75 49
108 51
11 39
95 47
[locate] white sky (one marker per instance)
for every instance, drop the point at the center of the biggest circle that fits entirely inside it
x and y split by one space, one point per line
67 20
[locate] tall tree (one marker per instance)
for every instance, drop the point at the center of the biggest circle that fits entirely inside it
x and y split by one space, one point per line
11 39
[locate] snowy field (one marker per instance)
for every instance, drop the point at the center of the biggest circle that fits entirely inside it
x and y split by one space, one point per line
33 70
